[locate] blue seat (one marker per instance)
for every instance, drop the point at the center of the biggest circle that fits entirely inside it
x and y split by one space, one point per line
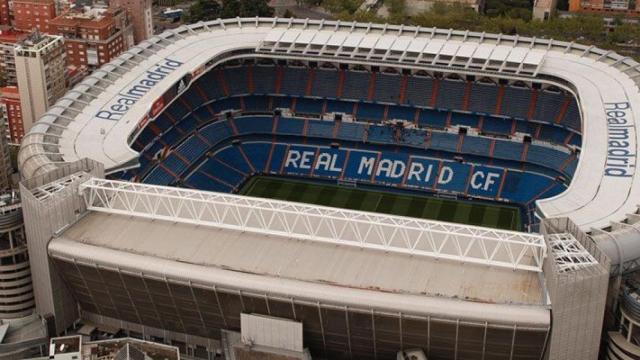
158 176
174 164
451 94
380 134
277 158
232 156
350 131
162 122
258 154
576 140
320 128
188 124
236 79
553 134
526 127
546 156
226 104
264 79
524 187
483 98
200 181
290 126
387 88
496 125
370 112
508 150
413 137
204 113
433 118
444 141
340 106
210 85
219 170
419 91
283 102
476 145
401 113
215 132
548 106
356 85
515 102
572 116
309 106
294 81
192 98
256 103
172 136
325 83
144 138
254 125
192 148
467 120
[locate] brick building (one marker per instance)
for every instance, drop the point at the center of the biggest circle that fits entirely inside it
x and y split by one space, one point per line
5 13
93 36
12 113
613 7
31 15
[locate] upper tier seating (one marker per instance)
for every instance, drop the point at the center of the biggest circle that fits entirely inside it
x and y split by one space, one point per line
419 90
237 80
451 94
483 98
264 79
356 85
325 83
516 102
294 81
387 88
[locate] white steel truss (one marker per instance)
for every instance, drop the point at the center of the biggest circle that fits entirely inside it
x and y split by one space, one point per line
418 237
568 254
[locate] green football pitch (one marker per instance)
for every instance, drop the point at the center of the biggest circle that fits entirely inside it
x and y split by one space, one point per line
459 211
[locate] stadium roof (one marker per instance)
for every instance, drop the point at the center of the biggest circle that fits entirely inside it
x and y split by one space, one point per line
312 268
604 187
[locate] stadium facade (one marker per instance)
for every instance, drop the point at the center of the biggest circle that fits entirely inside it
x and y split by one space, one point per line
179 123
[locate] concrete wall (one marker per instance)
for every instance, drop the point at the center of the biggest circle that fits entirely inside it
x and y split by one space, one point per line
577 298
44 216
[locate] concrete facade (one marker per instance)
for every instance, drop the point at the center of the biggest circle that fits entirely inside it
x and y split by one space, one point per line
41 72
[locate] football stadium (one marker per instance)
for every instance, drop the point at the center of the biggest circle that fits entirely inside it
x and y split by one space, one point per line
381 188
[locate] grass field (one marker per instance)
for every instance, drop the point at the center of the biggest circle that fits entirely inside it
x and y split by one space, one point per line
464 212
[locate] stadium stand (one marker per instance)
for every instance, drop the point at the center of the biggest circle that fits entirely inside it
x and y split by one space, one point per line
483 98
173 147
387 88
450 94
325 83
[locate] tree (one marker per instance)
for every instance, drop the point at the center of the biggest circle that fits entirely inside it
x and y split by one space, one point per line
625 33
245 8
203 10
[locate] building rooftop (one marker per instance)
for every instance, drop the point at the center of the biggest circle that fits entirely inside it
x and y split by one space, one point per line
36 41
87 17
10 92
203 252
73 347
12 36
